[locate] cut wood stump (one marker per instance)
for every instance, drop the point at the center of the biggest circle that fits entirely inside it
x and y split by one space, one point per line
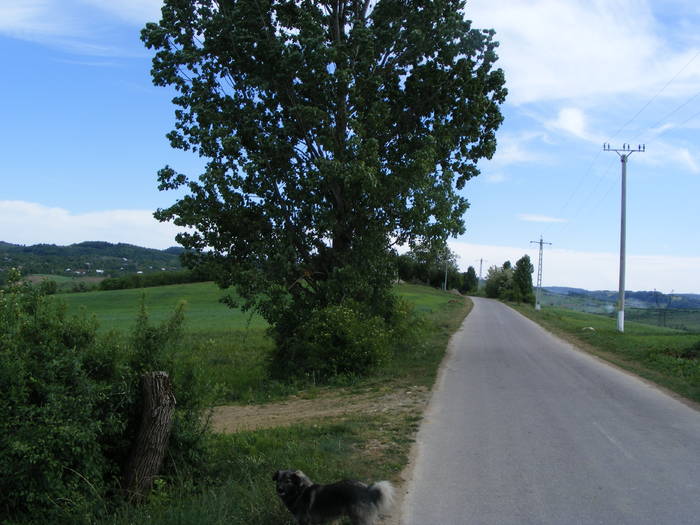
151 444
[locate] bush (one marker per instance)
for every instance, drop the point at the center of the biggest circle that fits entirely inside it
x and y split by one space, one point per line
334 341
70 407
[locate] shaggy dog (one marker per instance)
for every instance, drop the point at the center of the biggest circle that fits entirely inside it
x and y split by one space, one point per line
316 504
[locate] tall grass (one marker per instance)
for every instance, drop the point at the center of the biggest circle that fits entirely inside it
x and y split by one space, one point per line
236 486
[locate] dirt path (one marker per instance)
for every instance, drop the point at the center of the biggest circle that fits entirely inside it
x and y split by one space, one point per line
236 418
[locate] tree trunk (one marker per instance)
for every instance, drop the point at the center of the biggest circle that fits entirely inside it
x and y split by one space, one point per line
151 444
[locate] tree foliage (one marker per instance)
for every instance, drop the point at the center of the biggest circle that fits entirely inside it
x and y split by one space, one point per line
427 263
69 408
511 284
332 131
470 281
522 281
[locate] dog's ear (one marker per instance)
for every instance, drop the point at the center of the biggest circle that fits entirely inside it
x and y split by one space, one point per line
276 476
297 476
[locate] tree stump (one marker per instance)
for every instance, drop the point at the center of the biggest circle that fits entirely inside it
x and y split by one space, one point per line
148 451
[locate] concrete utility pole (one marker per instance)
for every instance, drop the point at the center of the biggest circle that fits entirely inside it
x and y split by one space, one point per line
539 274
444 286
624 153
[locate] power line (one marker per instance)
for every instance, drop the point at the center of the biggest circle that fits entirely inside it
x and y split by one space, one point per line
629 121
663 88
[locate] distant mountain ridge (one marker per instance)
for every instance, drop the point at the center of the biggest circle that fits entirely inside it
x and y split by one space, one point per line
641 299
87 258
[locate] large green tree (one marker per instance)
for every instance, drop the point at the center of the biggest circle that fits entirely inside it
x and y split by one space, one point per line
470 282
332 131
522 281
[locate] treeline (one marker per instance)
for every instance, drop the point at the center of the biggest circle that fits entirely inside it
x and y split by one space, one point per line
87 257
645 299
511 284
436 268
155 279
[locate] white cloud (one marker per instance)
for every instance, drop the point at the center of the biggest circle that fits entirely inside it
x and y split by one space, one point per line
76 26
31 223
495 178
528 217
590 270
38 18
136 12
662 154
517 149
554 50
574 122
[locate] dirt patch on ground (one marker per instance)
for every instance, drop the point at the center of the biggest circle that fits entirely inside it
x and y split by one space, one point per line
236 418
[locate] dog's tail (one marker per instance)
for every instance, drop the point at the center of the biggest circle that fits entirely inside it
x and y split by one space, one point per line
383 492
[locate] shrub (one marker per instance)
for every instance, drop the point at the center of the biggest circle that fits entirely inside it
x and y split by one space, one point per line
336 340
70 407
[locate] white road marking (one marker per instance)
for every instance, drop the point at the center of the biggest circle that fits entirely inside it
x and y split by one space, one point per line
614 441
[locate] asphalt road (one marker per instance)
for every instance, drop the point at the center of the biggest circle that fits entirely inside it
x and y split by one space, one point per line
523 428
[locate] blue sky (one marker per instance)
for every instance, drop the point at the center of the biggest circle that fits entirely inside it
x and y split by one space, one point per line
83 135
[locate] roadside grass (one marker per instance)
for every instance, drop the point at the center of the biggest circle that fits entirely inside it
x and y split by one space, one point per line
652 352
236 485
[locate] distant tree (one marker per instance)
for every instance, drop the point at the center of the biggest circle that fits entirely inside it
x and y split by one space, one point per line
499 281
522 281
332 131
470 282
427 262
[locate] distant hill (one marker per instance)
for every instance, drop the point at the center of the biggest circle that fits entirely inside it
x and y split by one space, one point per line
87 258
641 299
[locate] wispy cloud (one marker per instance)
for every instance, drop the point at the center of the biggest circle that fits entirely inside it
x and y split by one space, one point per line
136 12
528 217
662 154
573 121
76 26
554 50
495 178
24 222
518 148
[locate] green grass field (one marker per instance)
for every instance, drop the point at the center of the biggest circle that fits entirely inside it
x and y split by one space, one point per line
204 314
231 347
652 352
235 482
